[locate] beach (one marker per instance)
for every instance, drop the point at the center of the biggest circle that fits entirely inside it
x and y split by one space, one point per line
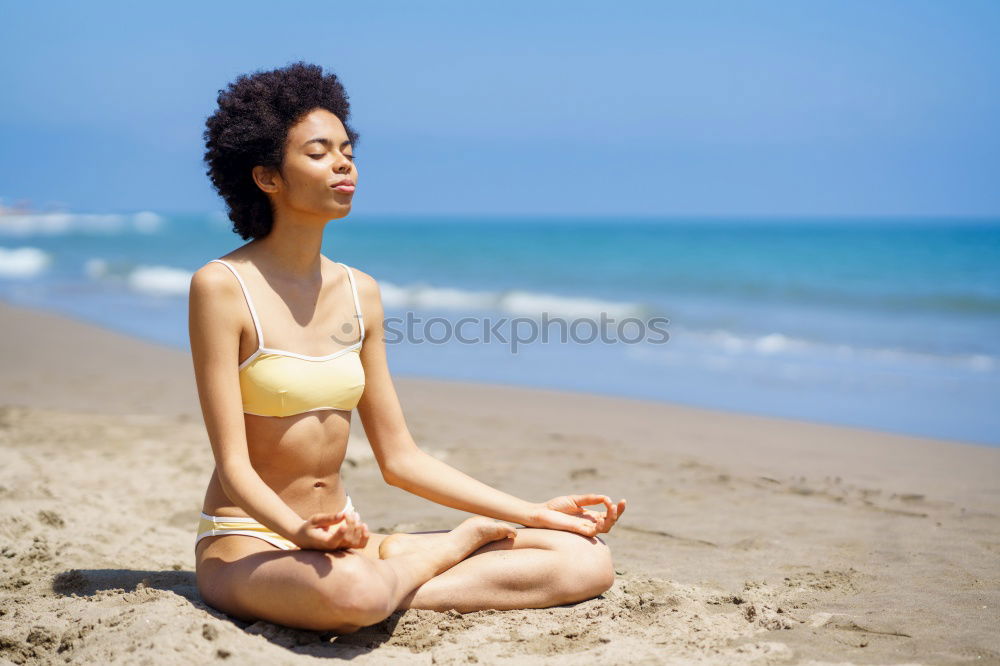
747 539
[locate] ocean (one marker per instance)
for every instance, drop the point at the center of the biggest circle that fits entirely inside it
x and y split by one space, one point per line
891 324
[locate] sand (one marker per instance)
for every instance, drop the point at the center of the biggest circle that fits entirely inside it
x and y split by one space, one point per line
748 540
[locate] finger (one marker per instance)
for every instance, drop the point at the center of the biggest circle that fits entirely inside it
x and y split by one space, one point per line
326 518
564 504
605 523
344 524
609 522
588 500
353 536
347 531
599 520
586 524
608 507
332 538
365 535
359 529
599 499
357 533
563 521
612 514
619 508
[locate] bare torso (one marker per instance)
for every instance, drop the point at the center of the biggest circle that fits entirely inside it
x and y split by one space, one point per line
297 456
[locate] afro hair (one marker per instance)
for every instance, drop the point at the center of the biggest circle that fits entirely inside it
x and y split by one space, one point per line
250 128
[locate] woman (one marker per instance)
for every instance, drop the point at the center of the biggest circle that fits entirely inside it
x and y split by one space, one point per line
285 343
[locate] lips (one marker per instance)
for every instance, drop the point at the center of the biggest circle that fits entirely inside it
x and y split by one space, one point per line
343 186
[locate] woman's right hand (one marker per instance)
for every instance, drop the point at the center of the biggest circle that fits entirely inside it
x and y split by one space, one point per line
332 531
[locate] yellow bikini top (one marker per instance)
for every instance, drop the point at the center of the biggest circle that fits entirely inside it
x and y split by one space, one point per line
275 382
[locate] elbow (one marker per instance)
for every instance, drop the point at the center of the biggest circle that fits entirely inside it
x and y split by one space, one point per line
397 472
399 466
225 480
230 478
391 477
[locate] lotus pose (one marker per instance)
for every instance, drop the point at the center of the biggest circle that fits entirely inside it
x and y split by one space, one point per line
285 344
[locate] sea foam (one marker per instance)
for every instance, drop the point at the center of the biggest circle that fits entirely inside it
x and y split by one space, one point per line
160 280
53 224
514 302
23 262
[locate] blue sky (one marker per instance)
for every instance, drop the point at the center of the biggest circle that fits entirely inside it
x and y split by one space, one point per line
634 108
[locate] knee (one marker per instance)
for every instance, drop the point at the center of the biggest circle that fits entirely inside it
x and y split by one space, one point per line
590 571
358 598
600 567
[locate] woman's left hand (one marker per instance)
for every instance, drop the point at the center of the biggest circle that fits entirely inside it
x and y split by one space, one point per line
568 513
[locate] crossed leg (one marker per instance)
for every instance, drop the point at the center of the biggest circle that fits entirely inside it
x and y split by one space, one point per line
342 590
345 590
537 569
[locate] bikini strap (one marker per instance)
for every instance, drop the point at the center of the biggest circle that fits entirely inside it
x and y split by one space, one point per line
357 302
246 295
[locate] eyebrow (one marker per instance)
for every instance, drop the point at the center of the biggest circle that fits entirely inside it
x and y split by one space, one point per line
326 142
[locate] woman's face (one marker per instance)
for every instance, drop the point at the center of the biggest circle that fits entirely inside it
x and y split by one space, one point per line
318 156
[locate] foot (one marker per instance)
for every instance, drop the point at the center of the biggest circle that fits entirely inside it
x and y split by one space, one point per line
401 543
476 532
472 534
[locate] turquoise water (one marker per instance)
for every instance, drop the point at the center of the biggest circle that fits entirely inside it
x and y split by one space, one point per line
889 324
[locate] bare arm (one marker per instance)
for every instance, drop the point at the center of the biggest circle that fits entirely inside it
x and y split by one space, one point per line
216 312
406 466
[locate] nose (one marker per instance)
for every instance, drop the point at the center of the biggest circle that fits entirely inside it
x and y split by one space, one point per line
342 164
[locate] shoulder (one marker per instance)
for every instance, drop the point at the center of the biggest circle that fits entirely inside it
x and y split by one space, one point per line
369 291
367 285
213 279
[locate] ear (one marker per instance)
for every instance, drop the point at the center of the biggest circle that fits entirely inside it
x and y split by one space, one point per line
267 179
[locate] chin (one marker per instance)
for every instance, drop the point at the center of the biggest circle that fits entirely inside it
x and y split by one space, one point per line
339 211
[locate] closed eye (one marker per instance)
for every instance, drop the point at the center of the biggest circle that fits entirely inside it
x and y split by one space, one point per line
316 157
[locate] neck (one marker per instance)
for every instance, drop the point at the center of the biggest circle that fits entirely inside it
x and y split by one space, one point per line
294 248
